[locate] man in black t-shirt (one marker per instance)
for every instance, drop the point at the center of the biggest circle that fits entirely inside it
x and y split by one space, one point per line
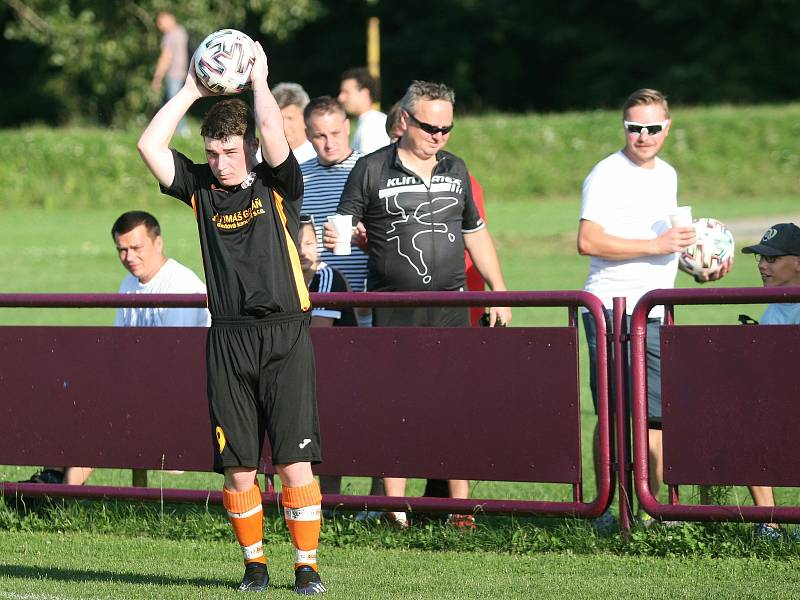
415 202
260 363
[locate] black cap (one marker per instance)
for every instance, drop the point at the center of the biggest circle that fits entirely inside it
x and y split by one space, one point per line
778 240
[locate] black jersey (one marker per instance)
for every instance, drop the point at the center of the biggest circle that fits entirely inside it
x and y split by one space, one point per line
247 236
415 231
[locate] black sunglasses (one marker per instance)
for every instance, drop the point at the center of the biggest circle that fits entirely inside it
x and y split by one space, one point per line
767 259
428 128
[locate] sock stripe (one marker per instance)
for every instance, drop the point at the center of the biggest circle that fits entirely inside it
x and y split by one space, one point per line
248 513
306 557
253 551
305 513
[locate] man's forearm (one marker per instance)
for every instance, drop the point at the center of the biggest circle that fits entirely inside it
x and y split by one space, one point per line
269 121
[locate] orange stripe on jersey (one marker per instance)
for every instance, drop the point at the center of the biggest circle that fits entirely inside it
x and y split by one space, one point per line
194 206
297 271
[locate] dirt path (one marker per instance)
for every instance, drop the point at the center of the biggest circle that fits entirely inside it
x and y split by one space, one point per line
749 231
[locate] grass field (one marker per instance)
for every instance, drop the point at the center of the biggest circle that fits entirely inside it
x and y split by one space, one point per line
52 566
734 164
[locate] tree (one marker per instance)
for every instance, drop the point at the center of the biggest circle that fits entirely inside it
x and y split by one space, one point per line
101 54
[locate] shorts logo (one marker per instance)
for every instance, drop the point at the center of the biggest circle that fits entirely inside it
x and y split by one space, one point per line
304 443
220 435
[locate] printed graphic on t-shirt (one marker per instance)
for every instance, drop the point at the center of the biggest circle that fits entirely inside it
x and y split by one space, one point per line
420 217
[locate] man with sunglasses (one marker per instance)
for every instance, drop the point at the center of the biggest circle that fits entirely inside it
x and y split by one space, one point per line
778 259
625 228
416 203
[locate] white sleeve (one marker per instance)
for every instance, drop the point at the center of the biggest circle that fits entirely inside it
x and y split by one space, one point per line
372 134
597 190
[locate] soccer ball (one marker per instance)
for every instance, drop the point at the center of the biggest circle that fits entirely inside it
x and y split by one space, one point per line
223 61
714 246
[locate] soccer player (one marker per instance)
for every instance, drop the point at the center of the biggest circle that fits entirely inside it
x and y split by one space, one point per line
261 377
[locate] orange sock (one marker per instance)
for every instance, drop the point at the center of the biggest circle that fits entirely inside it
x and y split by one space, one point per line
246 515
302 510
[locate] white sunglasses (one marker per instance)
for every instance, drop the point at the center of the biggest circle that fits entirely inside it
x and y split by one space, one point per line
648 128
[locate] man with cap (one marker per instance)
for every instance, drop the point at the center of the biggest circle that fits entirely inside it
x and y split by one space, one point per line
778 257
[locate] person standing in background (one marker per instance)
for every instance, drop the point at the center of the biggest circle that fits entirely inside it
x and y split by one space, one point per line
173 62
357 93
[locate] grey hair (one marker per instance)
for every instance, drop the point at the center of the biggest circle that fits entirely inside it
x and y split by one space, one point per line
289 93
426 90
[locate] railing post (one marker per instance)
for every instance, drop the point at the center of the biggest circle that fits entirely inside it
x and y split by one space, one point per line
620 344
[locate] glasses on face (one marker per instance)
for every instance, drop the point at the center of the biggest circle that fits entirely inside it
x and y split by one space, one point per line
648 128
767 259
428 128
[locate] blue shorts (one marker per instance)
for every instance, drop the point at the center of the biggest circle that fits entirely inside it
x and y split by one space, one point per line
653 366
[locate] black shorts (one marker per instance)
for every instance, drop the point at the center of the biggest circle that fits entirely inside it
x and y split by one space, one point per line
421 316
261 379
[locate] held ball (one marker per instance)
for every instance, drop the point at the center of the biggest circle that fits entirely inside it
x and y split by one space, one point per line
223 61
714 246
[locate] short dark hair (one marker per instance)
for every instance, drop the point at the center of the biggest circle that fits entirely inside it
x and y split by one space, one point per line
323 105
426 90
364 79
131 220
229 118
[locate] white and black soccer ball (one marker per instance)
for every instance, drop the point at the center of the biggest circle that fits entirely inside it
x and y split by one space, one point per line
223 61
713 248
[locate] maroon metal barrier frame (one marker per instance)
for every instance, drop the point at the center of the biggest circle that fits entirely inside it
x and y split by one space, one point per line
669 298
570 299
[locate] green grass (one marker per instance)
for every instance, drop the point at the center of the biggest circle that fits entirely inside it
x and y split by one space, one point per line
63 190
65 565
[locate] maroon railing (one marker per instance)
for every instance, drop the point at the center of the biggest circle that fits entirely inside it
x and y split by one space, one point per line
516 407
730 405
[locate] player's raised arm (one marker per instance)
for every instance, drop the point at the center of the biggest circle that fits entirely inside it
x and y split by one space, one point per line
154 143
269 120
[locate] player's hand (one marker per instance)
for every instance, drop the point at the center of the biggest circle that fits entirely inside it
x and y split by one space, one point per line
360 236
499 316
675 239
329 235
260 70
193 85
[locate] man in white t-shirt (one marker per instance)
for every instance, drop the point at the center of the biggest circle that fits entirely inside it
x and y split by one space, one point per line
625 228
357 93
137 236
778 256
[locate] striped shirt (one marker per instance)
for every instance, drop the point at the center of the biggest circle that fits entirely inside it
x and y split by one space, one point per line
323 189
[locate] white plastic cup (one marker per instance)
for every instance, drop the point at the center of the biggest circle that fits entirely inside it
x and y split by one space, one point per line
343 224
682 217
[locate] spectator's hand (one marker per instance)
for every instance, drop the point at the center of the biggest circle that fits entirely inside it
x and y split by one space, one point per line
329 235
260 68
675 239
716 275
155 85
499 315
360 236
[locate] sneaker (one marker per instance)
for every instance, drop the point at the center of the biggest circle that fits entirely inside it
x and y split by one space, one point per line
256 578
368 515
765 531
398 519
46 476
307 581
462 522
605 523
